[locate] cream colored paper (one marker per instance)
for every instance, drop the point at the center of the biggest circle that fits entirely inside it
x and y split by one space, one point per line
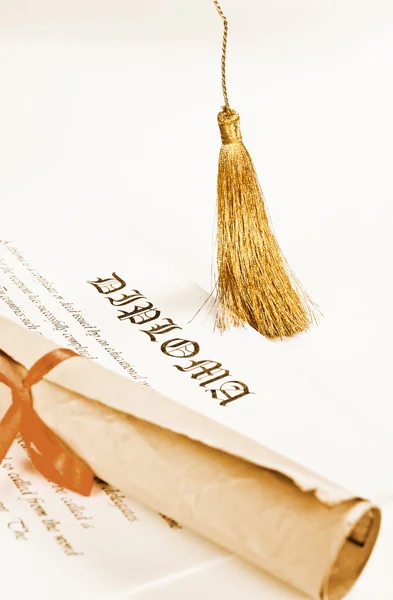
284 407
259 505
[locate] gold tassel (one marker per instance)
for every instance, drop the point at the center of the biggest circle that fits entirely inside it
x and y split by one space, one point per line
255 284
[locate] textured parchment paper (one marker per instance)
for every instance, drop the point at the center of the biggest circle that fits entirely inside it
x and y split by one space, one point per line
287 521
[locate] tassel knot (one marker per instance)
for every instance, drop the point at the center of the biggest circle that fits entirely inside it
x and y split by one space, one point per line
229 124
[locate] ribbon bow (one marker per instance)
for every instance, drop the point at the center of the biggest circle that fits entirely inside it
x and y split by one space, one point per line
50 456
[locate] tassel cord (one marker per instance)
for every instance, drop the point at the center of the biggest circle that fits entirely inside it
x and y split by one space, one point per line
226 106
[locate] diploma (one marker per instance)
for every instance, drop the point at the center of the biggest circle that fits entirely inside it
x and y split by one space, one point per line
213 480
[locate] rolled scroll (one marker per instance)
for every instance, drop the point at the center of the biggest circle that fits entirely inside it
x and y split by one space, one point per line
282 518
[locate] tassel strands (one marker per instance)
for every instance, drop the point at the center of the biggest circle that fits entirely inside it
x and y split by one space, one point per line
254 284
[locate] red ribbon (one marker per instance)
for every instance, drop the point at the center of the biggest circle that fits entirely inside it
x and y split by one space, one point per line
50 456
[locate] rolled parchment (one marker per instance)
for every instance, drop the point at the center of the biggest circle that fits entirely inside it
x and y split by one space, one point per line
282 518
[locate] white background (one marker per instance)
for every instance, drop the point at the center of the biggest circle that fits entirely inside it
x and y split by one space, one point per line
108 119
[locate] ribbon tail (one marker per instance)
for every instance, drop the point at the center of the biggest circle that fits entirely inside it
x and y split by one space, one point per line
9 428
52 458
64 470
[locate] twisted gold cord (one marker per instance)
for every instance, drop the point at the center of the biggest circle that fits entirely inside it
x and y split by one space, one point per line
223 56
